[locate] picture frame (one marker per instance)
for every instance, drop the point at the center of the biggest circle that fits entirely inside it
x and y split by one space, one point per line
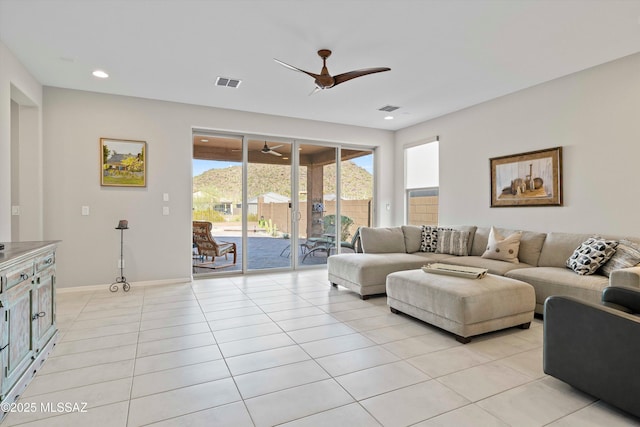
123 163
527 179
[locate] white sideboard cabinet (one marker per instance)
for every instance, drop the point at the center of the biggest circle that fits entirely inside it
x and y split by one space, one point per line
27 311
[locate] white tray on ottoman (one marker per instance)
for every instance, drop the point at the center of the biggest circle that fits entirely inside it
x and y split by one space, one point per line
463 306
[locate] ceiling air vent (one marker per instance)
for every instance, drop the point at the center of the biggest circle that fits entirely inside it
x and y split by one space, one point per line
227 82
388 108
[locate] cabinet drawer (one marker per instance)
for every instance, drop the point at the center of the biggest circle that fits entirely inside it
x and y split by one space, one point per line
17 274
45 261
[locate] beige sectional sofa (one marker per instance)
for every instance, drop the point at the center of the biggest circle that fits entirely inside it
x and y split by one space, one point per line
542 258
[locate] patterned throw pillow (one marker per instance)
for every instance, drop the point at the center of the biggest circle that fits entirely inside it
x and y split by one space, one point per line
627 255
591 255
452 242
503 248
430 238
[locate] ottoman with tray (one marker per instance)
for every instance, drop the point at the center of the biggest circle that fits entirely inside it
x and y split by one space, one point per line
461 305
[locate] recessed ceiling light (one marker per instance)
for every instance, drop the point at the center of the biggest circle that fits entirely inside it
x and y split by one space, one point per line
388 117
204 140
100 74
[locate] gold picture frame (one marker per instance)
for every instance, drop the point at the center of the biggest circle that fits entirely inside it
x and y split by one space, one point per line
527 179
123 163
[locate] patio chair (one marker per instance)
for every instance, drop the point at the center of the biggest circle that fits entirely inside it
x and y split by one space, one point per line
207 246
327 241
354 244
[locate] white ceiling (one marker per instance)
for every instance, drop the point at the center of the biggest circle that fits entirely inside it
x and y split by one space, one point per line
444 55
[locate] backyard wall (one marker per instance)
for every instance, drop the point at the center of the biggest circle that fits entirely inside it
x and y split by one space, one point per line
280 214
423 210
592 114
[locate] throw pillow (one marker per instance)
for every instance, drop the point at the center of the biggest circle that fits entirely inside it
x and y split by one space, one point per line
452 242
591 255
627 255
430 238
503 248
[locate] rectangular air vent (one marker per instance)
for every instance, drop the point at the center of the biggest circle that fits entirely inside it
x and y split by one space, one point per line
388 108
227 82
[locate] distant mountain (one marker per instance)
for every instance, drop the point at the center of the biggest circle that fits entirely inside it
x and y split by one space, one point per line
226 184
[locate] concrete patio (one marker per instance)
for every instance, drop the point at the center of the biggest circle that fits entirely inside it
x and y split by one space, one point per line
263 253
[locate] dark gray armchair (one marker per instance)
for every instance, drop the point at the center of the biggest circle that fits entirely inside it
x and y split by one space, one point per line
596 348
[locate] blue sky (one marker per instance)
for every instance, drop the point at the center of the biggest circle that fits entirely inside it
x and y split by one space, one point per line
200 166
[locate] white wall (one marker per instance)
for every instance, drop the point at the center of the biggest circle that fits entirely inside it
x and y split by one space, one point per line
156 246
594 115
18 84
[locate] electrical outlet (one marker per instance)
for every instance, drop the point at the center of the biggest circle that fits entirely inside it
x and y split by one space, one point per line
85 210
165 197
165 210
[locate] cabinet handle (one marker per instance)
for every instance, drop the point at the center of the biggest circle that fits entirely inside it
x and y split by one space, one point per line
4 347
41 314
48 261
24 276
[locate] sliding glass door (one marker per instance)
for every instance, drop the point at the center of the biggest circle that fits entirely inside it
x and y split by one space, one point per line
268 204
274 203
217 200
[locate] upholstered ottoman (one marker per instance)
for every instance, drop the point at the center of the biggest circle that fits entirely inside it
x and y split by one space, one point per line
465 307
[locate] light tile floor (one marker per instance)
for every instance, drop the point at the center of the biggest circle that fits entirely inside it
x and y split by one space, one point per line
287 349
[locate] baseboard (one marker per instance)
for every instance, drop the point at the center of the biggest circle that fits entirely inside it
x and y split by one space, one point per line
133 284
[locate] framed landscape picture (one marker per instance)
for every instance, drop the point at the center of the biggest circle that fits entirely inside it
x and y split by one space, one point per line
527 179
123 163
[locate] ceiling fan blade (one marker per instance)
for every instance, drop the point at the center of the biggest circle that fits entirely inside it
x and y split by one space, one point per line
277 146
341 78
291 67
315 90
275 153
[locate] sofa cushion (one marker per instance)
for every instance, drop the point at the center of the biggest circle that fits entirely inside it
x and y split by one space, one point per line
412 238
558 247
627 255
381 240
493 266
560 281
503 248
372 269
591 255
452 242
531 244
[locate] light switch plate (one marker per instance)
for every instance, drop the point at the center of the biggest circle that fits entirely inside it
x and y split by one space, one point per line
165 210
85 210
15 210
165 197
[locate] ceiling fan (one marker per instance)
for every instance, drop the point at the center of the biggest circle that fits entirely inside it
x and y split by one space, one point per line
270 150
324 80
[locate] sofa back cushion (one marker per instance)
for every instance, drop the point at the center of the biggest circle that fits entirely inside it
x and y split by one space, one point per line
412 237
531 244
558 247
382 240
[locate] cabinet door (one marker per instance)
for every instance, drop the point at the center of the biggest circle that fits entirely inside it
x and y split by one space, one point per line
4 349
44 316
17 330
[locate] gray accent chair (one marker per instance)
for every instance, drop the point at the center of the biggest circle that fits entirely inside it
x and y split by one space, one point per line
596 348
